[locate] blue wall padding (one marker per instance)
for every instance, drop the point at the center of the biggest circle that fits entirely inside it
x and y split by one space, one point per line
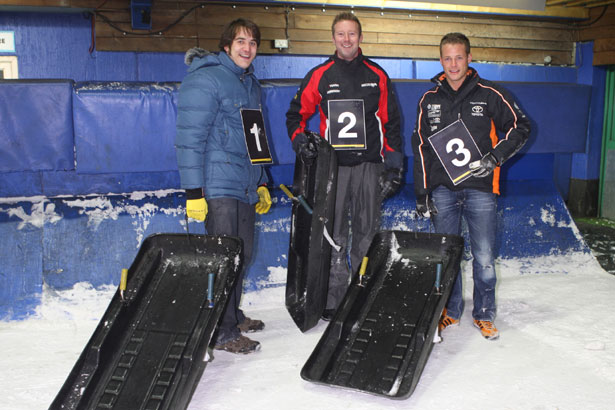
62 241
124 133
36 131
125 127
559 114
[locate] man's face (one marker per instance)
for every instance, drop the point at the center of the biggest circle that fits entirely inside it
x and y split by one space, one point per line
243 49
347 39
455 62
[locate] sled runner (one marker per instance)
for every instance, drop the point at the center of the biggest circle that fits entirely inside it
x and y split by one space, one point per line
148 349
309 253
383 332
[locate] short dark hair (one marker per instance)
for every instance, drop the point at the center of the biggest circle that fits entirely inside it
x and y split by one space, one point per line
455 38
231 29
345 16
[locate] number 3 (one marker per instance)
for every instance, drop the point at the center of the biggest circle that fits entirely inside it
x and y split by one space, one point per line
461 150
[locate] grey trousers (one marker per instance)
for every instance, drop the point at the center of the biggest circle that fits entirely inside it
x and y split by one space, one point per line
227 216
357 219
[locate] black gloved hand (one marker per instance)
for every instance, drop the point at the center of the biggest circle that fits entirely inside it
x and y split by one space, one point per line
305 148
425 206
390 181
484 166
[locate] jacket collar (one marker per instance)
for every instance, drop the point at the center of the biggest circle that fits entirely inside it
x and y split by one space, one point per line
357 60
226 61
469 82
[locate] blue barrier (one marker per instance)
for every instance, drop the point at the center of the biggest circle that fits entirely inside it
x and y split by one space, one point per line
122 137
62 241
122 140
36 131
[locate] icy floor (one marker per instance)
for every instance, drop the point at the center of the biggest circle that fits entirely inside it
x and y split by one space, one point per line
556 350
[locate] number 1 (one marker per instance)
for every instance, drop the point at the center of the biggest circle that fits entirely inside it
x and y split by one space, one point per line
254 130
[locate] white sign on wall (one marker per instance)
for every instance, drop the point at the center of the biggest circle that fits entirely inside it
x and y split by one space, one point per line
7 41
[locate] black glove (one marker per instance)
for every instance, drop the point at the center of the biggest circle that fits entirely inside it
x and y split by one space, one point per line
304 147
390 181
425 206
484 166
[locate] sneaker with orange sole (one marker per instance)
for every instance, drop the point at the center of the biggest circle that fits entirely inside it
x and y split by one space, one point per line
487 329
446 321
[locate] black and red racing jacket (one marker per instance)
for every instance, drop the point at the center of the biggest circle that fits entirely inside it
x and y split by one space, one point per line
361 78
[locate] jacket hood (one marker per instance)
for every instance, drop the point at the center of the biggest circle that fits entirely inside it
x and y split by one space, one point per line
197 58
194 53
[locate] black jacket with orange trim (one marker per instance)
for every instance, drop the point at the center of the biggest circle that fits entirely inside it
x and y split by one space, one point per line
361 78
490 114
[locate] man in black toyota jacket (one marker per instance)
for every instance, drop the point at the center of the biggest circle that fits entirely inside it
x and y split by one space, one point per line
451 183
360 118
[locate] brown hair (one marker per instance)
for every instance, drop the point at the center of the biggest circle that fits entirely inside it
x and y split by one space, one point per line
231 29
345 16
455 38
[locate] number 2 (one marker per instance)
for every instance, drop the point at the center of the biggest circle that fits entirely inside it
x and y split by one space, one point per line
352 120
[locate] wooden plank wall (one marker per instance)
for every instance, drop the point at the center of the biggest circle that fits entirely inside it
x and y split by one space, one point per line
495 38
602 32
178 25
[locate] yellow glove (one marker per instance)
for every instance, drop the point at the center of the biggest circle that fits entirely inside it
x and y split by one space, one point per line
196 209
264 200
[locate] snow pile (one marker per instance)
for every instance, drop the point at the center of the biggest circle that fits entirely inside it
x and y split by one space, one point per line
556 349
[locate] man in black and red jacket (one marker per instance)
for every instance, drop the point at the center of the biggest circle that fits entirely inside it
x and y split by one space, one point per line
451 183
360 118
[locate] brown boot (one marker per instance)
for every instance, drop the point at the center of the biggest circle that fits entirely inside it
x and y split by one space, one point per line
251 325
242 345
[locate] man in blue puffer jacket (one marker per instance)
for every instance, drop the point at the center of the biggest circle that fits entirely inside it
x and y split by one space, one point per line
221 183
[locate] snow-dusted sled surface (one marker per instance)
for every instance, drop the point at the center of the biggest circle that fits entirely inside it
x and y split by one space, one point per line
149 347
382 334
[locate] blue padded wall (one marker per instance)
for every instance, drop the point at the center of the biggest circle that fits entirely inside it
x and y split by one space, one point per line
125 127
37 126
123 133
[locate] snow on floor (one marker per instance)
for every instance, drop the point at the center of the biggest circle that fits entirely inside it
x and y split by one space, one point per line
556 350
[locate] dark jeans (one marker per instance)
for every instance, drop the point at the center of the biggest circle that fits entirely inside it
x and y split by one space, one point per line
227 216
479 210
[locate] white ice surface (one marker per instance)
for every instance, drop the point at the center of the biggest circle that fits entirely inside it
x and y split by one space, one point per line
556 350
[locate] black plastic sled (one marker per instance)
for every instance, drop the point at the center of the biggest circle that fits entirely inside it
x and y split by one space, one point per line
382 334
149 348
309 254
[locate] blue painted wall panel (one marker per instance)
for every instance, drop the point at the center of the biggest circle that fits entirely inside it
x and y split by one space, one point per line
161 67
50 45
20 259
113 66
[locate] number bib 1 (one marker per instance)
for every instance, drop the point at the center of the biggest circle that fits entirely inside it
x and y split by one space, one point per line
256 139
455 148
347 124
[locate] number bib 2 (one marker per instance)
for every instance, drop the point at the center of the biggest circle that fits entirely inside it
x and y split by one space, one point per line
347 124
455 148
256 139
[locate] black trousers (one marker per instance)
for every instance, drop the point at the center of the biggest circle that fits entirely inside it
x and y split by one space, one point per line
227 216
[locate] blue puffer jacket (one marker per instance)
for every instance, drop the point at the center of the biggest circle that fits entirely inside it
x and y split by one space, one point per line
210 142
